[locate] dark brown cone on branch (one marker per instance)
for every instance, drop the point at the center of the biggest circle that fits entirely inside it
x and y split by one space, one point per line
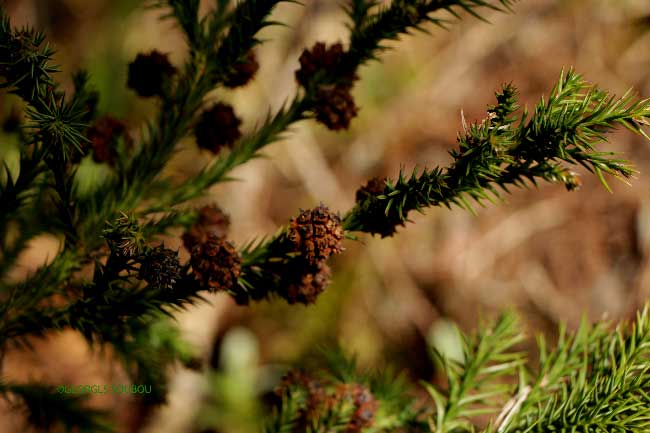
316 394
308 285
378 223
320 58
160 268
320 400
375 220
316 234
216 264
103 136
217 128
242 72
374 186
365 406
212 220
335 107
149 73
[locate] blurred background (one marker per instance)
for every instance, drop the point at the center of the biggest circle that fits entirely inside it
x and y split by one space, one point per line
550 254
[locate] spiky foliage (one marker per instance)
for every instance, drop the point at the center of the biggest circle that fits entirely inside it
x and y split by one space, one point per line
370 30
595 380
365 43
53 131
475 382
341 397
506 150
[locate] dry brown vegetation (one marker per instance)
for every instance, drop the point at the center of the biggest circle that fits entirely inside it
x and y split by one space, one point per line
552 254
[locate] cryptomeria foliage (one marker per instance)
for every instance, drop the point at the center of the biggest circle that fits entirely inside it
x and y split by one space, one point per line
592 381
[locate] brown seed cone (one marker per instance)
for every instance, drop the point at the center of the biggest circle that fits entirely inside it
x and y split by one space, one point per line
103 135
374 186
307 286
149 72
365 406
316 234
320 58
217 128
316 393
216 263
335 107
161 268
212 220
375 219
243 72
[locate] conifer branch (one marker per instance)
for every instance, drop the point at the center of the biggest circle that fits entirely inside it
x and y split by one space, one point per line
21 300
342 398
593 380
502 150
366 41
372 30
201 75
474 382
245 150
287 415
115 311
499 152
56 125
186 13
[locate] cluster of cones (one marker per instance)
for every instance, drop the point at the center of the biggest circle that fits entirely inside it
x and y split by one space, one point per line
322 399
